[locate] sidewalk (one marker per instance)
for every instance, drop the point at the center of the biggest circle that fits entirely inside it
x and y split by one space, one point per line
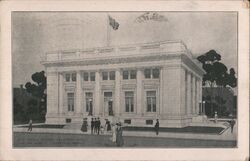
226 135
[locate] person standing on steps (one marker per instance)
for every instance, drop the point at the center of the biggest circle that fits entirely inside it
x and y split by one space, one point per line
157 126
95 126
92 124
98 124
84 125
30 125
232 123
119 137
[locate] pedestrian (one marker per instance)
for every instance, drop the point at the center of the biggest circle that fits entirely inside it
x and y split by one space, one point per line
114 128
108 126
119 138
232 122
30 125
98 124
84 125
215 116
102 129
95 125
92 124
157 126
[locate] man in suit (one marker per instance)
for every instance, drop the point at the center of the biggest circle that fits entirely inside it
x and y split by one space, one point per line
98 124
95 125
157 126
92 124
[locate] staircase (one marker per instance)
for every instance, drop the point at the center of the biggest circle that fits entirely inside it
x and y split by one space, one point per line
73 126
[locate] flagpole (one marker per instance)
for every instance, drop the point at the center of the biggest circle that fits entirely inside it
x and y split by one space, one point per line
108 31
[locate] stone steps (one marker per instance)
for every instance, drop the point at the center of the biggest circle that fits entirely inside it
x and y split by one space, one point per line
73 126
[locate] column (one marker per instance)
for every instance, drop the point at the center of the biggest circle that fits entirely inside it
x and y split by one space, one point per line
189 85
193 95
117 92
61 93
200 94
139 99
183 94
161 92
197 96
78 109
96 109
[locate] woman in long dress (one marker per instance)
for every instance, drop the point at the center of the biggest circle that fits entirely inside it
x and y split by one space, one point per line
114 127
119 138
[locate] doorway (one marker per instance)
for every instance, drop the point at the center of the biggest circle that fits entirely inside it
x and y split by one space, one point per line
108 104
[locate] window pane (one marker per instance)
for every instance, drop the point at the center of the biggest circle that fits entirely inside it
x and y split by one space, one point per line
129 94
148 104
104 75
151 93
156 73
133 74
132 104
70 101
154 104
74 77
112 75
127 104
147 73
107 94
67 76
125 74
85 76
92 76
89 94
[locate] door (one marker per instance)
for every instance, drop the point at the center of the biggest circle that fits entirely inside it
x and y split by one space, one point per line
108 104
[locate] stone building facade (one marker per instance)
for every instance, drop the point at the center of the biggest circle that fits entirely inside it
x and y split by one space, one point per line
135 84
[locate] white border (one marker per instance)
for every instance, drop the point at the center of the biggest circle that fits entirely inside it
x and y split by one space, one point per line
8 153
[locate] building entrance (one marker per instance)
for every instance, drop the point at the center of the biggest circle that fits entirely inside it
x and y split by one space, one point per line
108 104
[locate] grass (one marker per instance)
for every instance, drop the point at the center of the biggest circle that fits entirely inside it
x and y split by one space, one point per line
188 129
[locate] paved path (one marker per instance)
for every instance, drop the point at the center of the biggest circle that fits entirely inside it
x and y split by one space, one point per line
226 135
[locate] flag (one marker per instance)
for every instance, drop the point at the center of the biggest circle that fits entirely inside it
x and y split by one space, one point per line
113 23
154 16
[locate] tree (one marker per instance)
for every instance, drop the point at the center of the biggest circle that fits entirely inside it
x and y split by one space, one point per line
217 74
37 89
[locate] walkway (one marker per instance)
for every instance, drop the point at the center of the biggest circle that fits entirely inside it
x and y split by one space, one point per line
226 135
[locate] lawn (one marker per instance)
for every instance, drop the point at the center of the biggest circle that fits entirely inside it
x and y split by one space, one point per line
188 129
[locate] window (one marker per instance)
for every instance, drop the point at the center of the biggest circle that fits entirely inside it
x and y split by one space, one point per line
127 121
89 102
70 101
151 101
129 101
112 75
104 75
133 74
85 76
152 73
108 94
68 120
129 74
67 77
92 76
147 73
73 77
156 73
125 74
149 122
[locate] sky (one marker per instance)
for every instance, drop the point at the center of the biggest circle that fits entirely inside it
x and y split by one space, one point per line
35 33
